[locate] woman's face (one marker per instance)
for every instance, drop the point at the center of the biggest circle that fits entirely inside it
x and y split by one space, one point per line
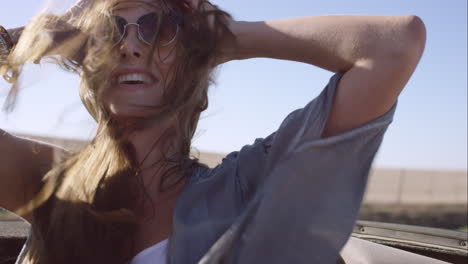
135 85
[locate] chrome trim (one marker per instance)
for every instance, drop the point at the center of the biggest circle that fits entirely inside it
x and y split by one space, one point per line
427 238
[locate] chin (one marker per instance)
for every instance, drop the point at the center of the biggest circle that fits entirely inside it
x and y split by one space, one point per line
132 111
120 111
137 104
131 119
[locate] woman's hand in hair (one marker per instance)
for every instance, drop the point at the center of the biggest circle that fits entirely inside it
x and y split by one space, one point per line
203 6
77 9
68 41
227 43
64 30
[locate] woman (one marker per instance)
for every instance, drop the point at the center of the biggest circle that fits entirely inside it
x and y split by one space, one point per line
135 193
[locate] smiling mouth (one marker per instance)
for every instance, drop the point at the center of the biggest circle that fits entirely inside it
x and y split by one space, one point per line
132 82
134 79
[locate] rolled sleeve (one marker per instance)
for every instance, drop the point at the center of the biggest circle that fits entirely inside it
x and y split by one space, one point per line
305 191
300 132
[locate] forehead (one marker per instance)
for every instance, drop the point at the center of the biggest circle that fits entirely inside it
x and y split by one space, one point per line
135 5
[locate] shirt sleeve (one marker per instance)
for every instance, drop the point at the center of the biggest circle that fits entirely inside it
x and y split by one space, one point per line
304 191
300 132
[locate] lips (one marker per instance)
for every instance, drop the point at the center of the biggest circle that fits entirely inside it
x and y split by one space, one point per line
134 78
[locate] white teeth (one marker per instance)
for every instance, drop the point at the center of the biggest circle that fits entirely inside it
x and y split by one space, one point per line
134 77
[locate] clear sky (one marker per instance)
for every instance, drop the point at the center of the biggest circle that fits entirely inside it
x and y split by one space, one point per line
252 97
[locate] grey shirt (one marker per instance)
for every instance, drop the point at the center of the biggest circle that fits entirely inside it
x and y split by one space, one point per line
291 197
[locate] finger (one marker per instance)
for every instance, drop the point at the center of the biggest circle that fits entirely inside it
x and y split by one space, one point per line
193 3
77 9
203 5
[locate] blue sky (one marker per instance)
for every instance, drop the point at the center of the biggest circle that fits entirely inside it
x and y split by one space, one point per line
252 97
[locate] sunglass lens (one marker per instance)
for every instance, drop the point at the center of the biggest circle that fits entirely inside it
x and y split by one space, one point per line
149 28
120 28
168 31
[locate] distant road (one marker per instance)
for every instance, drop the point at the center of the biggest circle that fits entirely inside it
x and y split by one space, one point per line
386 186
417 187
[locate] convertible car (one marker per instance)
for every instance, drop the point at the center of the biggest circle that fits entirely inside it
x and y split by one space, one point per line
371 242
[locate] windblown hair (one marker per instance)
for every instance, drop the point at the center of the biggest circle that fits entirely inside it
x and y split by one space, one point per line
87 209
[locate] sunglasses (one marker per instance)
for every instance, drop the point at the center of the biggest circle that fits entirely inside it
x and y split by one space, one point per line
152 26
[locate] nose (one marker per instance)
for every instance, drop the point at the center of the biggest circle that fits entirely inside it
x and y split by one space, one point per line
130 46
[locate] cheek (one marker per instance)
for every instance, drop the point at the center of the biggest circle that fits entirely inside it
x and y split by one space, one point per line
166 69
165 56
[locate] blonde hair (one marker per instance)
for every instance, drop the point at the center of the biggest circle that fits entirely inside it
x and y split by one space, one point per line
88 206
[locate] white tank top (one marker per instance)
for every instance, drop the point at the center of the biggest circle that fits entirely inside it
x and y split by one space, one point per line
155 254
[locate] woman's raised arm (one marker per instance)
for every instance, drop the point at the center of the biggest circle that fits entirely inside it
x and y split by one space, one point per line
23 163
378 55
